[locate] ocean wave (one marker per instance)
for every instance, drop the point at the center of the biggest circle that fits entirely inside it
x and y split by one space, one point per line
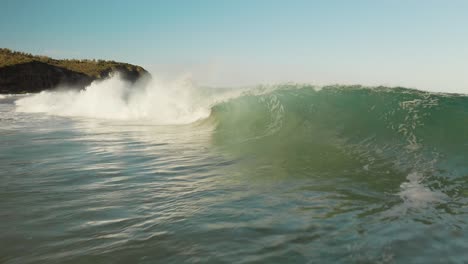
332 129
352 131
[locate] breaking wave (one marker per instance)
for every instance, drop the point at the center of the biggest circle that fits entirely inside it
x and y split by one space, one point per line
398 136
154 101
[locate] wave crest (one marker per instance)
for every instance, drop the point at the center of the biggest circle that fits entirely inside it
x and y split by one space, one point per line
154 101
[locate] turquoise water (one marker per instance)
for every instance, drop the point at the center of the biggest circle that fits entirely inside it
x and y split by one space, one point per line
291 174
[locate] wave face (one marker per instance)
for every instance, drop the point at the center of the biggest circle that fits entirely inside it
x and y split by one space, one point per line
390 134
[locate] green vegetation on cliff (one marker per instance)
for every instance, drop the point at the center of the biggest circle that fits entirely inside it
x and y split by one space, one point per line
25 73
92 68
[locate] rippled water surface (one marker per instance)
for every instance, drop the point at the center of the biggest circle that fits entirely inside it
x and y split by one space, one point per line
83 190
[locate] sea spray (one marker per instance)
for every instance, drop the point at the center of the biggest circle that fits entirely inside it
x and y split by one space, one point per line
154 101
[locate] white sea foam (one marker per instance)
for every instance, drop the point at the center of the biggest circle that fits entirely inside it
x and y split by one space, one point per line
176 102
415 194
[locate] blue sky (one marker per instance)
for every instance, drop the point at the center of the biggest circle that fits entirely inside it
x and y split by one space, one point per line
421 44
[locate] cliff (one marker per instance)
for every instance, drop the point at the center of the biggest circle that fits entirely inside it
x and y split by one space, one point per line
25 73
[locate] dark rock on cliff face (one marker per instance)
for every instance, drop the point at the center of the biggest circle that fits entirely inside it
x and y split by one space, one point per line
25 73
32 77
36 76
131 74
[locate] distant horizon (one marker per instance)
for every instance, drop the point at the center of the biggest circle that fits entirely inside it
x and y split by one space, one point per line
417 44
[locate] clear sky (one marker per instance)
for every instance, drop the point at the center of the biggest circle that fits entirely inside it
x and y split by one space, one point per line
421 44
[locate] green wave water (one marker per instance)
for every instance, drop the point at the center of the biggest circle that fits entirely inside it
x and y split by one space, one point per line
292 173
343 127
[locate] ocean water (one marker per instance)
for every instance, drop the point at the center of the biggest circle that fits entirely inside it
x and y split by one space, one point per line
171 173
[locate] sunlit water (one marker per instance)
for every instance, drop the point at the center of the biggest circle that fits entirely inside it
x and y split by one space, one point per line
84 190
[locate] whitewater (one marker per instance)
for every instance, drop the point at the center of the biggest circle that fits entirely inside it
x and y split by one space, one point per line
160 171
